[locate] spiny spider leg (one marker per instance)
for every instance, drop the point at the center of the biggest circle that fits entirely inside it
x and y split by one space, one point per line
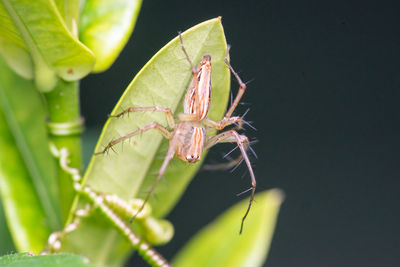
194 70
167 111
228 119
223 166
168 158
243 144
153 125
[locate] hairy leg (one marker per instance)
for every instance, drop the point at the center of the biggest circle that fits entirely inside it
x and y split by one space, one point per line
167 111
242 141
228 119
194 70
168 158
153 125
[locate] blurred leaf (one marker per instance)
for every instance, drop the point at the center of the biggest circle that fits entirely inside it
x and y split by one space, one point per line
13 48
163 81
69 11
6 244
54 50
23 209
219 243
24 259
27 170
105 28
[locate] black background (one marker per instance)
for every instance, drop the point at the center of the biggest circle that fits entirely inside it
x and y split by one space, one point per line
324 99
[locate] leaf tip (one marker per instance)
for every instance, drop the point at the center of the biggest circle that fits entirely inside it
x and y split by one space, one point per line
276 195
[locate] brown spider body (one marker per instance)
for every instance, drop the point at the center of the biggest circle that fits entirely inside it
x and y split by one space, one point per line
190 133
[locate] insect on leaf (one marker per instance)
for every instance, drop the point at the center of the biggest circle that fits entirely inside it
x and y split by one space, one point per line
129 172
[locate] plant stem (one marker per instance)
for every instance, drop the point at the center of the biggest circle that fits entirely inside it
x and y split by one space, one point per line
65 127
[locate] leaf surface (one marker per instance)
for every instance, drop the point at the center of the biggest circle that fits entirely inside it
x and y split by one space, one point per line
24 259
6 244
12 47
219 243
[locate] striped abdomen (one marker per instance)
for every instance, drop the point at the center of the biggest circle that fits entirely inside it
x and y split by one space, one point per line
197 100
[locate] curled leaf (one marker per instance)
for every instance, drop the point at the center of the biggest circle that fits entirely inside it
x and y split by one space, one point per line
53 48
105 27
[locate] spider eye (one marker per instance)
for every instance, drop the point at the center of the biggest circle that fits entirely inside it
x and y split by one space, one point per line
192 157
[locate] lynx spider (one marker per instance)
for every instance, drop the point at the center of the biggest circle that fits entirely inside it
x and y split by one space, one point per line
188 137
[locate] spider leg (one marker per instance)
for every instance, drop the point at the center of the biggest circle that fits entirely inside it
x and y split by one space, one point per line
218 125
223 166
166 111
232 163
242 141
168 158
153 125
194 70
242 88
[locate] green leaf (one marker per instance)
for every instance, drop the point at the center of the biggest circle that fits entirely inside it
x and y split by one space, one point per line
13 48
219 243
105 28
54 50
6 244
129 172
69 11
27 171
24 259
23 209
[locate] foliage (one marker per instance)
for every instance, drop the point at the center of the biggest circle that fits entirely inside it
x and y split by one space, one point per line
24 259
46 47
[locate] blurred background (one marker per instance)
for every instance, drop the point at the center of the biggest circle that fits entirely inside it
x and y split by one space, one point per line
324 93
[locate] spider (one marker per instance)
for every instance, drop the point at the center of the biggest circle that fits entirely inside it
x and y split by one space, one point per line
188 138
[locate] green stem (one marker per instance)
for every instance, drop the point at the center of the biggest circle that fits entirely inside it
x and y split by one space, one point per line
65 127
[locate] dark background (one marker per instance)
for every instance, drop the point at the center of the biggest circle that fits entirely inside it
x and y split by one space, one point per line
324 99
